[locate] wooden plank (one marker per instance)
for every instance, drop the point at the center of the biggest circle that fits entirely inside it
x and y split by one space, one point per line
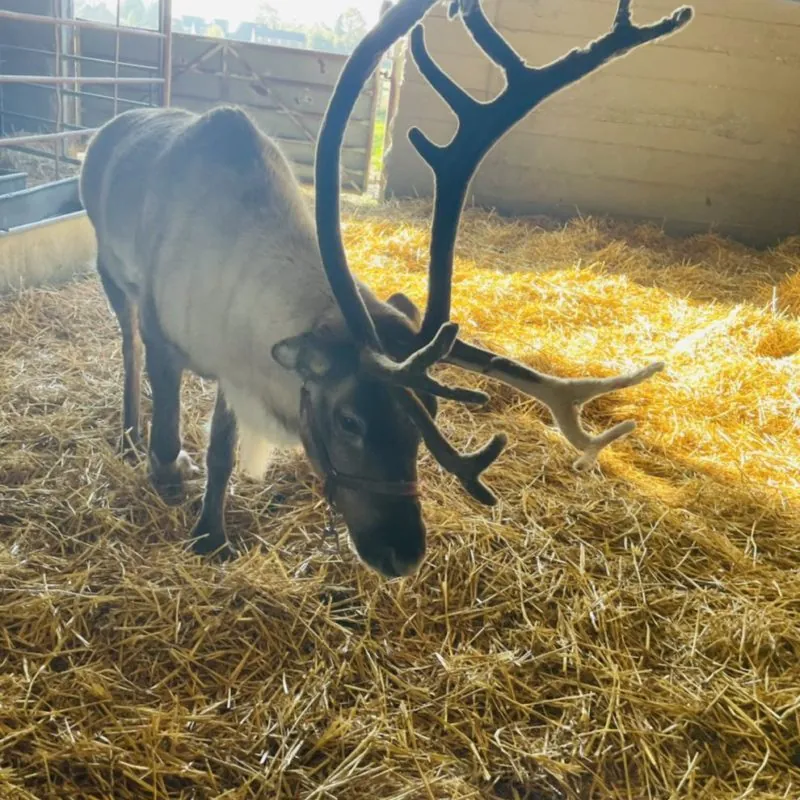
267 60
711 179
601 125
471 72
710 176
306 101
294 64
518 187
274 122
753 116
553 140
721 52
750 118
528 191
581 21
450 36
776 12
594 17
302 152
664 62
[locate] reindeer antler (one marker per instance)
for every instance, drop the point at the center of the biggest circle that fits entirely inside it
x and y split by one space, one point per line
412 373
482 124
363 61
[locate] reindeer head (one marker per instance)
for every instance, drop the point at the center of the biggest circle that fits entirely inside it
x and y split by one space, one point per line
368 398
358 436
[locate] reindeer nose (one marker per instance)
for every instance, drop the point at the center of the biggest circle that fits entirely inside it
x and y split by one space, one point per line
404 561
401 541
394 550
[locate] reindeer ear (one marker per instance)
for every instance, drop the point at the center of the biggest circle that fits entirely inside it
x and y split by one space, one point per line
304 355
405 305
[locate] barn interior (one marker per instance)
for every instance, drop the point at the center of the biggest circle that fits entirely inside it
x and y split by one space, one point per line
628 632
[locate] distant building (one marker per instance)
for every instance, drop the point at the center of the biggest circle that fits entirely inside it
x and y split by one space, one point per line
263 34
196 26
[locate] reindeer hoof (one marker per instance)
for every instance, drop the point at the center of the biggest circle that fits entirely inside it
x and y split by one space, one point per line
186 466
209 539
168 479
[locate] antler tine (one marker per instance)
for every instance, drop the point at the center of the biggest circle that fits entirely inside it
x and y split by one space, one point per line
395 24
482 124
563 396
412 373
466 467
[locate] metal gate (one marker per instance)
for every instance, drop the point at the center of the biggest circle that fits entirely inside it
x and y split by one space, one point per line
285 89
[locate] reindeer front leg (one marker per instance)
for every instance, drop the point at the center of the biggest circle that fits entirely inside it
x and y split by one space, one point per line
170 465
564 397
208 534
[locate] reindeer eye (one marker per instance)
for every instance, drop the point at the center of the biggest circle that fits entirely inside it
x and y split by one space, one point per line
350 424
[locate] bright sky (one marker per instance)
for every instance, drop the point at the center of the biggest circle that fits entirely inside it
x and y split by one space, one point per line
304 11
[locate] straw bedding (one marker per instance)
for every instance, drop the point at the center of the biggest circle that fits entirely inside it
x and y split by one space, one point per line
631 633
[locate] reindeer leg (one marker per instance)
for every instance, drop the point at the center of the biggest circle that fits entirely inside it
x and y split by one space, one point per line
208 534
169 463
125 311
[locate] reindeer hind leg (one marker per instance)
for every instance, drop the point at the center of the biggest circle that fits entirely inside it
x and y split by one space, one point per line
126 313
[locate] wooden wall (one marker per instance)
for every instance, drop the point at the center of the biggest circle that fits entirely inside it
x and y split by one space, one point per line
700 130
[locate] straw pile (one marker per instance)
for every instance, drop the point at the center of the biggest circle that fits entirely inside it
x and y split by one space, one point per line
632 633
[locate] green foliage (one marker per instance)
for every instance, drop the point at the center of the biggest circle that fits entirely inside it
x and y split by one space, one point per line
349 29
132 13
267 15
94 10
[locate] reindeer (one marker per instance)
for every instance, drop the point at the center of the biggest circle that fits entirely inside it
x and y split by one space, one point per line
208 253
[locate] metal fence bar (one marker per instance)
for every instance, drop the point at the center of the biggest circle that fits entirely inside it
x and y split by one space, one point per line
166 52
79 59
79 94
45 154
57 30
116 62
60 79
12 141
123 101
20 16
46 120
